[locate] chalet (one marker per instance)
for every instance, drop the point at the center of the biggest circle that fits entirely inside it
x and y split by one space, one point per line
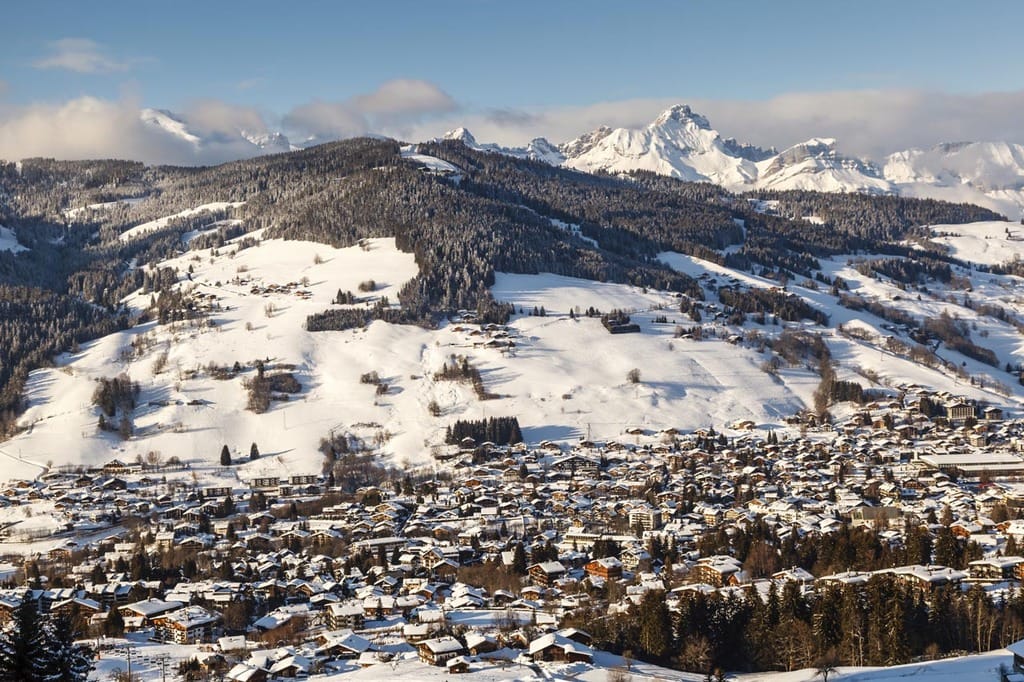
558 647
1016 674
458 665
149 609
440 650
718 571
960 411
189 625
546 573
995 569
927 578
244 672
343 644
608 568
346 615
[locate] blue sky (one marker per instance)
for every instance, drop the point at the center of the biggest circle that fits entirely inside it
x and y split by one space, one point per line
493 58
513 54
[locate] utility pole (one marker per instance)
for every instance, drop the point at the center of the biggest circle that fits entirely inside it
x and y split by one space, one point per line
162 660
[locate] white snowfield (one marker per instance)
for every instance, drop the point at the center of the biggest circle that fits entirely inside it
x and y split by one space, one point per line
214 207
9 241
564 376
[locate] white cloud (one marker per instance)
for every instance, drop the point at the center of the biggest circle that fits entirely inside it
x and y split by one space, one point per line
80 55
869 123
89 128
212 117
394 106
866 123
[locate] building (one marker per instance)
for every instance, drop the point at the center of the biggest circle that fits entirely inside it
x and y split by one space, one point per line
718 571
546 573
608 568
558 647
440 650
346 615
189 625
646 517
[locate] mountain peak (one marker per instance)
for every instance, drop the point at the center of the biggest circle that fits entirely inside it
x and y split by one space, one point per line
462 135
682 113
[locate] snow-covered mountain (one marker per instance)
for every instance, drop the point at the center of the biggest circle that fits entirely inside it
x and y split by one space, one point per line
177 126
990 174
817 165
538 149
170 124
679 143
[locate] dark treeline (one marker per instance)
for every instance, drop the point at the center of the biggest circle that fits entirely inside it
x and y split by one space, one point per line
497 430
883 622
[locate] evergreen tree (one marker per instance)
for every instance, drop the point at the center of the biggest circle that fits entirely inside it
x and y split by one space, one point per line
114 625
66 661
225 456
519 559
254 452
655 625
23 649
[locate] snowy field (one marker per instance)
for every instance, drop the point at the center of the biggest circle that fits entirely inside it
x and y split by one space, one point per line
150 659
564 377
9 242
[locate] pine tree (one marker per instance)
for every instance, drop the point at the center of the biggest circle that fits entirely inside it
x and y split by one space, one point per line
519 559
655 625
225 457
23 650
114 625
254 452
66 661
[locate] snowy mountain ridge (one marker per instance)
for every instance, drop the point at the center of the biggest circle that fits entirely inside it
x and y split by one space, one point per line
682 143
178 127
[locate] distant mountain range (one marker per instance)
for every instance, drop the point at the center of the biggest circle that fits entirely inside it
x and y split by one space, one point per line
681 143
172 124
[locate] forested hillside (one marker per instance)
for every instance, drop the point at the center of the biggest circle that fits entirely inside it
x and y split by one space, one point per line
497 214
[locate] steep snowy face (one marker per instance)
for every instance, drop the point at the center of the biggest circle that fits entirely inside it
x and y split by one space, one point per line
988 166
461 135
817 165
679 143
584 143
272 143
169 123
178 127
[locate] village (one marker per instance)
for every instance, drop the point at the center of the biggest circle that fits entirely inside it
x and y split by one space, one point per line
489 558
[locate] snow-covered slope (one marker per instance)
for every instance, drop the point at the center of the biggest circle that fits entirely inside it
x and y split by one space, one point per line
216 207
989 174
170 124
564 376
9 241
817 165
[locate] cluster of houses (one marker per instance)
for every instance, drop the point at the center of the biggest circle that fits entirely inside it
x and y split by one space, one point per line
367 575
